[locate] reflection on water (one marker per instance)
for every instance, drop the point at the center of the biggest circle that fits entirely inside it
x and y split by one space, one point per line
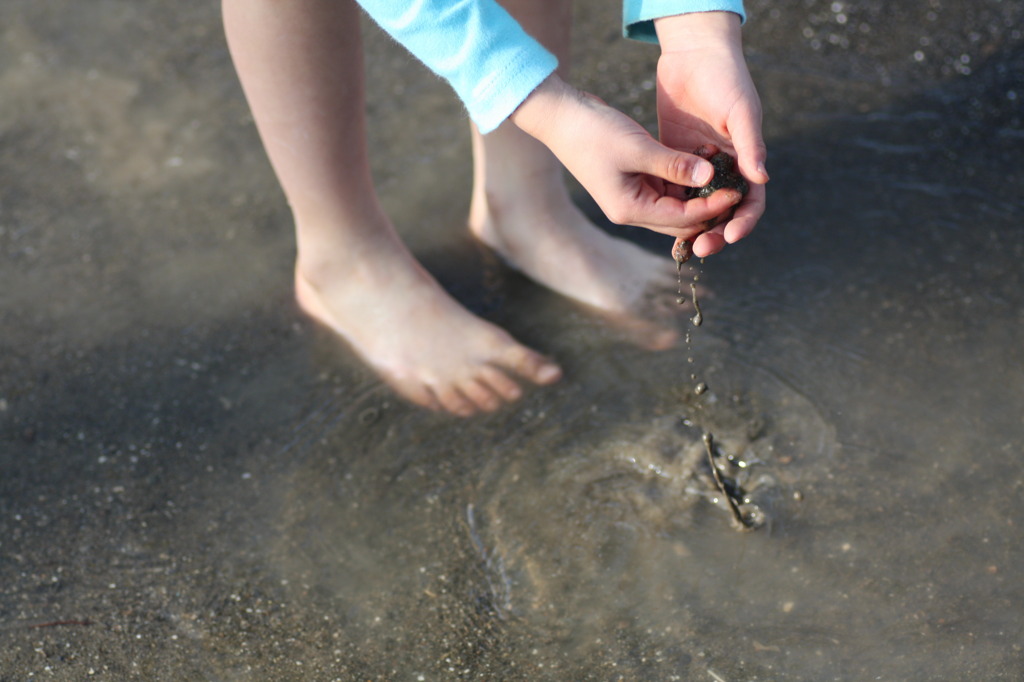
577 537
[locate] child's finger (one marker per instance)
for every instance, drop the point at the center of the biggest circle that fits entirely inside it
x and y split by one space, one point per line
671 216
751 152
746 215
673 166
709 243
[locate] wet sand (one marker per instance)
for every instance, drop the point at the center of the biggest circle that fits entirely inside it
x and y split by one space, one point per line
198 483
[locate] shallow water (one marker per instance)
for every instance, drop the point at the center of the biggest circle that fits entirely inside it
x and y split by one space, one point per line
220 492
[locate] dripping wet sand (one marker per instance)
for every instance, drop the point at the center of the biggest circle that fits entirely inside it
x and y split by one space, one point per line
197 484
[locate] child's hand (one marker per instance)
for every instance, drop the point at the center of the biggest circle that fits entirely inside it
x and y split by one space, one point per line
628 173
706 96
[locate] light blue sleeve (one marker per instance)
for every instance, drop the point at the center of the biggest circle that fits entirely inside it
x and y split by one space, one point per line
486 56
638 15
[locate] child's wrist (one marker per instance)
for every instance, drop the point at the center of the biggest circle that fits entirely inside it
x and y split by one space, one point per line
682 32
543 107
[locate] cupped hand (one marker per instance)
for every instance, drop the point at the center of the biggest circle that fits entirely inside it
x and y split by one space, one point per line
631 176
706 97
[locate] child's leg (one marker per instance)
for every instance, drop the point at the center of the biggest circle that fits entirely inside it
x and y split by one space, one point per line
300 63
522 209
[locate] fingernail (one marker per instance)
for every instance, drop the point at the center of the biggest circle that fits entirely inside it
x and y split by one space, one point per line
762 170
702 173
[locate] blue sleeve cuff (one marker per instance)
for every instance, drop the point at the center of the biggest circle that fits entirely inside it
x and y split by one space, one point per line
499 92
475 45
638 15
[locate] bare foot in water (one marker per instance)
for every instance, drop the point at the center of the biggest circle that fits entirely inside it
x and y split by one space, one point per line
429 348
530 220
301 67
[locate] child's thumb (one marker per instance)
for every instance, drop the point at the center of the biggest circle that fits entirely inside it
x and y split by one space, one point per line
676 167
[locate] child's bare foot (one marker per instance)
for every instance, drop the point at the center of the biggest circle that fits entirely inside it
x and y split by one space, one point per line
429 348
301 66
533 224
521 209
